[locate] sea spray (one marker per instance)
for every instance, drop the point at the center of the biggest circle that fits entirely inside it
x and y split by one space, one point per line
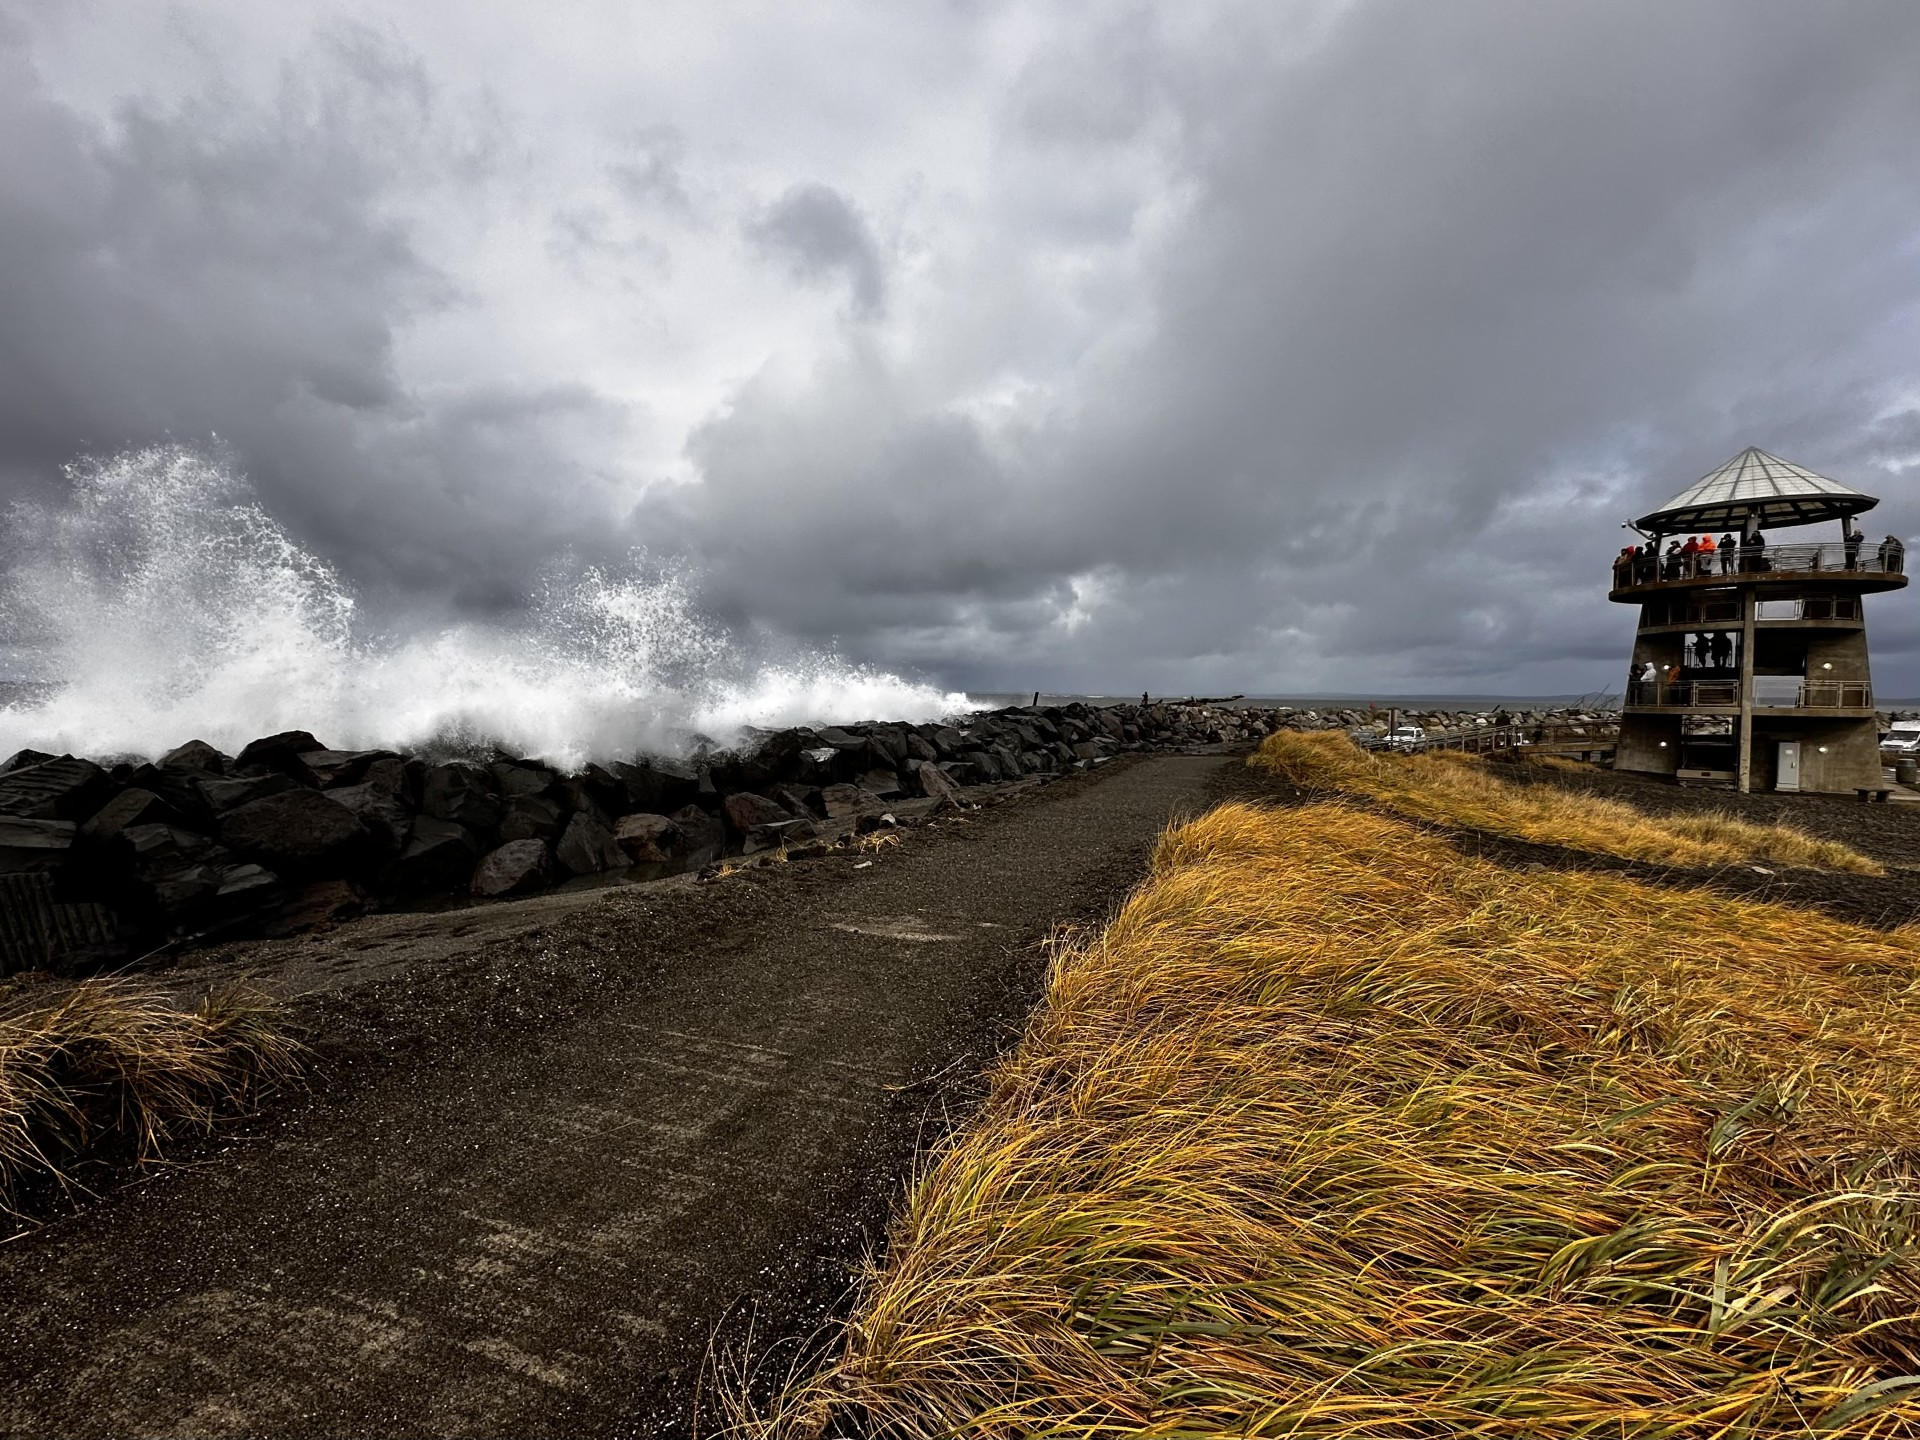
161 602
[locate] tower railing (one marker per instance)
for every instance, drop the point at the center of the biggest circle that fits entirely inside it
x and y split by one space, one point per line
1881 558
1723 694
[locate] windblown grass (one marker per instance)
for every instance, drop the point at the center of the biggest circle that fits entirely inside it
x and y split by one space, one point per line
117 1063
1334 1132
1456 789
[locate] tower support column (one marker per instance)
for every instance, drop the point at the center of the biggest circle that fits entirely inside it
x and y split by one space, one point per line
1749 602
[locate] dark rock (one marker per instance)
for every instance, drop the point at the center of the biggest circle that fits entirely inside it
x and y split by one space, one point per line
646 839
747 810
521 777
777 834
130 807
300 832
886 748
439 856
948 741
773 756
59 789
280 752
841 739
844 800
701 835
587 846
22 759
1008 761
329 768
320 905
515 868
34 847
803 801
386 817
463 794
196 755
247 888
404 779
820 765
984 766
933 783
882 783
222 795
658 785
532 817
919 747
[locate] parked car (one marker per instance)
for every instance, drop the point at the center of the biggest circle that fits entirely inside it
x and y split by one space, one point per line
1902 739
1406 737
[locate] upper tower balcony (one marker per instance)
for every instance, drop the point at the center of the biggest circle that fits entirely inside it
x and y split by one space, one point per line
1751 493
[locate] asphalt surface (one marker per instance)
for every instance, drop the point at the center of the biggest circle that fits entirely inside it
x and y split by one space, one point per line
553 1149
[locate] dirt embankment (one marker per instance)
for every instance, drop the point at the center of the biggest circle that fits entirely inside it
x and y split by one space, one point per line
554 1145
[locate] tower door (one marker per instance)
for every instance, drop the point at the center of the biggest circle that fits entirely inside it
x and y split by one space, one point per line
1788 775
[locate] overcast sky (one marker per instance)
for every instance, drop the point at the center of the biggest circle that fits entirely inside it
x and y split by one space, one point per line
1263 347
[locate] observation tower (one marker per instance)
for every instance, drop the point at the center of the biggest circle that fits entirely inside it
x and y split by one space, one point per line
1750 664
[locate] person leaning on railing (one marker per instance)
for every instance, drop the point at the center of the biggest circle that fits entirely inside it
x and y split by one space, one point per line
1893 554
1729 553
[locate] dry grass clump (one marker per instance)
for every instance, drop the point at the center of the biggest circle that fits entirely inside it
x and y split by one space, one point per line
1334 1132
1456 789
114 1061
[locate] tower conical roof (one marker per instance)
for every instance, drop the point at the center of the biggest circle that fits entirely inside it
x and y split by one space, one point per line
1779 492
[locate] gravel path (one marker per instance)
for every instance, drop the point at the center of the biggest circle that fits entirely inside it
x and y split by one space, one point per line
553 1146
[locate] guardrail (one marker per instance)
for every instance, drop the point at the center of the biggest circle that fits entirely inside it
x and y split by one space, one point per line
1486 740
1709 694
1631 571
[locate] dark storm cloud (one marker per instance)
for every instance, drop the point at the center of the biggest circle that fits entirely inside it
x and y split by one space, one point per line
821 237
1218 349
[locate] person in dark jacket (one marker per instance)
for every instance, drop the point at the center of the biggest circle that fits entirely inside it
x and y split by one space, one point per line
1729 552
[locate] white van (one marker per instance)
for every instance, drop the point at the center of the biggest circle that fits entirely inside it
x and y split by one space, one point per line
1902 739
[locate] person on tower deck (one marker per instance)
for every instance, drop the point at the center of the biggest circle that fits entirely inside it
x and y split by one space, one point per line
1705 557
1702 650
1689 553
1722 650
1729 553
1623 567
1753 552
1647 568
1671 562
1854 536
1892 554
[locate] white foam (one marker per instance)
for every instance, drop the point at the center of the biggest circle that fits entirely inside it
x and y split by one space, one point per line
161 603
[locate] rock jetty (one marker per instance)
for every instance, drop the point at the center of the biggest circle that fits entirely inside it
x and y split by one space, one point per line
102 863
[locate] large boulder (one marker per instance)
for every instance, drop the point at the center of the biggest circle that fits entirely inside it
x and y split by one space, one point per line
327 768
521 777
298 832
702 836
464 794
532 817
34 847
587 846
385 815
658 785
777 835
933 783
884 784
133 806
196 755
220 795
280 752
515 868
646 839
438 857
58 789
746 810
22 759
844 801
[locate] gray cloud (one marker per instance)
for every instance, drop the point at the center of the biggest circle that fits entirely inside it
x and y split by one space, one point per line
820 236
1234 350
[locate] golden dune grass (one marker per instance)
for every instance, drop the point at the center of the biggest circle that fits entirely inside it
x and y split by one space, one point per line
116 1059
1455 789
1336 1133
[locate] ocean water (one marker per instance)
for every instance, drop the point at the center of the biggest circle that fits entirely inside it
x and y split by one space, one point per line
159 602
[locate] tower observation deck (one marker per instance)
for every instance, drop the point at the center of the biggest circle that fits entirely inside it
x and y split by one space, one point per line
1750 664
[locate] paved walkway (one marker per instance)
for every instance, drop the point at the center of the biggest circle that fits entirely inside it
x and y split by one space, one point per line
555 1145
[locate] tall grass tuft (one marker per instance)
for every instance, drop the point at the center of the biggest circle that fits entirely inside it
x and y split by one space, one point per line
1456 789
1334 1132
114 1062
